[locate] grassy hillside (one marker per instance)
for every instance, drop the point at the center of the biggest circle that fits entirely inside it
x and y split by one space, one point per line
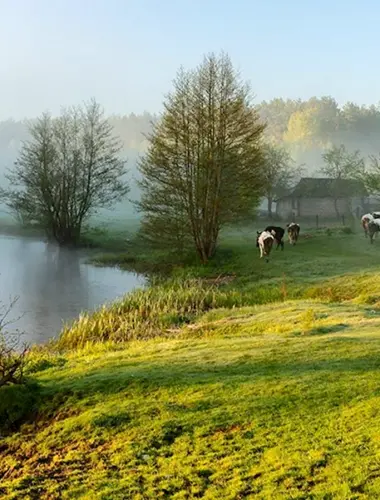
277 397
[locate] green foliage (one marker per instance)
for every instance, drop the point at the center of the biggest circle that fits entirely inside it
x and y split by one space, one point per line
204 165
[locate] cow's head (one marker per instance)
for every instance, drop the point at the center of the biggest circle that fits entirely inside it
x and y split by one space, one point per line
257 237
267 244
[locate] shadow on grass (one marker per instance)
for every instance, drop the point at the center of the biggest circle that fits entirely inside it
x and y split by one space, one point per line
145 376
324 330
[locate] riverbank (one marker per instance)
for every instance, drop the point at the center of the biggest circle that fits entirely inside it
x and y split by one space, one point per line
235 380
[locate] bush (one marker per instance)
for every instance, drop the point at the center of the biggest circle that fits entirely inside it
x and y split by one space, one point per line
18 403
12 364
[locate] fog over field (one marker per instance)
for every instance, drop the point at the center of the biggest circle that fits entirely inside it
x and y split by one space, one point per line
310 92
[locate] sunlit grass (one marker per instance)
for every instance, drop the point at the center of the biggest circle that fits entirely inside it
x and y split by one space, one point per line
238 380
260 402
333 268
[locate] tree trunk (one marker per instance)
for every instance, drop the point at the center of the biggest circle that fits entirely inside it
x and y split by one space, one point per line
66 236
270 204
336 208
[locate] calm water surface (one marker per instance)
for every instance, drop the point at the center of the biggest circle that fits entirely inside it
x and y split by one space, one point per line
54 285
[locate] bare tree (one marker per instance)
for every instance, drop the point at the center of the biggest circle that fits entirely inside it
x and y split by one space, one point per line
12 354
371 176
340 165
68 169
280 173
204 166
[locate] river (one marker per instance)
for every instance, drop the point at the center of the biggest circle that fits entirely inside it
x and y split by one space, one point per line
53 285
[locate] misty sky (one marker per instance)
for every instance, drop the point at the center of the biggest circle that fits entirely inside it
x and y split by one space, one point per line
126 53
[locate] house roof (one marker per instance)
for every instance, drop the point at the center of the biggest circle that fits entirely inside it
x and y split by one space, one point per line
312 187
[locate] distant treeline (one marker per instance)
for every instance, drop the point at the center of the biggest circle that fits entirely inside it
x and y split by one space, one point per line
307 128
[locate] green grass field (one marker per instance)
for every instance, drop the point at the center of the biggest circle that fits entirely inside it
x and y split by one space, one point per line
265 387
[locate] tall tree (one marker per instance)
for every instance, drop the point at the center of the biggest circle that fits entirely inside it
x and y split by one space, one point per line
204 166
339 164
371 176
68 169
280 173
275 114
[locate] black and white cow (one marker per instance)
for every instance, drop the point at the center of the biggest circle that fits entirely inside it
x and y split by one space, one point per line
264 242
278 233
373 228
293 232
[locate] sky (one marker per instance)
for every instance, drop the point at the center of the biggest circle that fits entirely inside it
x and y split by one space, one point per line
125 53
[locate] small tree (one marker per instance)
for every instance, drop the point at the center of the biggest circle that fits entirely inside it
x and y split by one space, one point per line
68 169
280 173
371 177
12 355
204 165
341 165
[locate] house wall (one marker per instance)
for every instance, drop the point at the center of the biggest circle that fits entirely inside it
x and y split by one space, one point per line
284 208
323 207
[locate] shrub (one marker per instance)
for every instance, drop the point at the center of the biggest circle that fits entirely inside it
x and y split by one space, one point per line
12 364
17 404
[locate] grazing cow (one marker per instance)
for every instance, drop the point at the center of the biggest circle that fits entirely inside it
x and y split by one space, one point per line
366 219
264 241
373 228
278 233
293 232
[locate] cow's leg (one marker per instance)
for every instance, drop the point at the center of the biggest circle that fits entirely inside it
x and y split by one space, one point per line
282 245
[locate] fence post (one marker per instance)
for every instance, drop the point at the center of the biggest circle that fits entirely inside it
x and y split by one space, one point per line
317 221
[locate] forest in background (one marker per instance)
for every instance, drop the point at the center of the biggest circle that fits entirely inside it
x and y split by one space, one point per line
305 128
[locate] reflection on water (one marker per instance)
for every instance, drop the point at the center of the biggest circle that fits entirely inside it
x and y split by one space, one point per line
54 285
